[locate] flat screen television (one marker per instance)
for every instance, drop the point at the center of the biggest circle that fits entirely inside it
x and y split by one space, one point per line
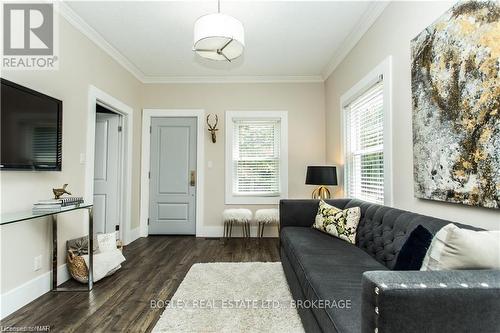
31 125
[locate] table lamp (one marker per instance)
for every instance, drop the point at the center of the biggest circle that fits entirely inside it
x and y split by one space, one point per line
322 176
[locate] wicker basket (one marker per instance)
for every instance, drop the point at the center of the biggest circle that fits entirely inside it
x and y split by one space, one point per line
77 267
75 262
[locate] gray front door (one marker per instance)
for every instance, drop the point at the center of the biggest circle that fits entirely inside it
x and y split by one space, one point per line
172 187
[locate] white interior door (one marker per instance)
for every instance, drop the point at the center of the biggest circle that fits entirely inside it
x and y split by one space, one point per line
172 187
106 172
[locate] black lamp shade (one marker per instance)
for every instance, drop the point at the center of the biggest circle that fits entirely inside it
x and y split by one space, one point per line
321 175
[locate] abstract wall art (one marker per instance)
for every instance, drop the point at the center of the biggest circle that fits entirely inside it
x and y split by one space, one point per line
456 106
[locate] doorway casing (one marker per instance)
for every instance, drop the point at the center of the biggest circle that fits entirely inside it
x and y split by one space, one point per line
97 96
147 114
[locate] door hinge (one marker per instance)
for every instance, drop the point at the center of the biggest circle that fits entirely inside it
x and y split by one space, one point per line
120 128
148 220
149 174
150 129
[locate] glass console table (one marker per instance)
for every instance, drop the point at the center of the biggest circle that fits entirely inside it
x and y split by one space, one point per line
17 217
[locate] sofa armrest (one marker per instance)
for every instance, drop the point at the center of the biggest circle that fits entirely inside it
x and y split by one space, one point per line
431 301
301 213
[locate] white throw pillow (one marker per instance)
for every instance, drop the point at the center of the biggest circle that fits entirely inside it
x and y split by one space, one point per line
105 263
456 248
107 242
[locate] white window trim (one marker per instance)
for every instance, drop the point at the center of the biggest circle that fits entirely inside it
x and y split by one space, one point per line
231 199
384 69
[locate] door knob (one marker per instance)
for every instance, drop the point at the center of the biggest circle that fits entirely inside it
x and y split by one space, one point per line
192 181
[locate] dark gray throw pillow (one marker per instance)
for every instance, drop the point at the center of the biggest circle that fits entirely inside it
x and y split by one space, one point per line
412 253
80 246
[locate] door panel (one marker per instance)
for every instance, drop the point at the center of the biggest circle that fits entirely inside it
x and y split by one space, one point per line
99 213
168 211
174 142
173 157
101 150
106 172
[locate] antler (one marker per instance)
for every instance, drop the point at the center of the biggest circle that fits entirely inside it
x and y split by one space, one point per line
208 121
212 127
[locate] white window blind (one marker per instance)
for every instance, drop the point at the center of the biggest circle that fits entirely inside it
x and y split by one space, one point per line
256 157
365 146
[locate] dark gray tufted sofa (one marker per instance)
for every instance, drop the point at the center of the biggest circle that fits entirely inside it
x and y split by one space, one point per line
364 295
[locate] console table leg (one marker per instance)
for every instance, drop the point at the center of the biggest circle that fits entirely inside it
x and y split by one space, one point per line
54 252
91 248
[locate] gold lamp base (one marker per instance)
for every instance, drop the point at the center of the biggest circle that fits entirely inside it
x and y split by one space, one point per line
321 193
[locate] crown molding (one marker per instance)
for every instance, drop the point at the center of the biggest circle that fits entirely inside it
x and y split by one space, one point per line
233 79
369 17
76 21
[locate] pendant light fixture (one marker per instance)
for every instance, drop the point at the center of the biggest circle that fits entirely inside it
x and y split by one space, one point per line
218 37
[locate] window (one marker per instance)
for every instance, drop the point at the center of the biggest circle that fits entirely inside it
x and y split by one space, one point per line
367 147
256 157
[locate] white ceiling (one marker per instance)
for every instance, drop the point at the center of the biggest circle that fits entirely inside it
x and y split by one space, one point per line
285 40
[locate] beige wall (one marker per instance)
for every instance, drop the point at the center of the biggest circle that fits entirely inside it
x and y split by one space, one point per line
306 127
82 64
313 134
391 35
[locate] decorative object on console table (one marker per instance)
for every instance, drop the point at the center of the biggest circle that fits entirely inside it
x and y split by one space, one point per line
456 106
323 176
58 192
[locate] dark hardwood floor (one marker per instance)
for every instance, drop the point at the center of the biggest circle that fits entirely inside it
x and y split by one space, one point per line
154 269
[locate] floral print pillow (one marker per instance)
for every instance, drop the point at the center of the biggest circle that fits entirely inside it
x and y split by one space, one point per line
337 222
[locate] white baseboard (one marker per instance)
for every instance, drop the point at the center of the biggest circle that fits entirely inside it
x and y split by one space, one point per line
144 230
218 231
213 231
18 297
133 235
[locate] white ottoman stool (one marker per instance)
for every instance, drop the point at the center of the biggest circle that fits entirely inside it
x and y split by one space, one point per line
240 216
266 216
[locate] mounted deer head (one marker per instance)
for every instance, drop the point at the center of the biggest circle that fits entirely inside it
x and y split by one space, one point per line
213 128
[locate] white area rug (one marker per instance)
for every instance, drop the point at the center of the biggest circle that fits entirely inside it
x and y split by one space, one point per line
232 297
